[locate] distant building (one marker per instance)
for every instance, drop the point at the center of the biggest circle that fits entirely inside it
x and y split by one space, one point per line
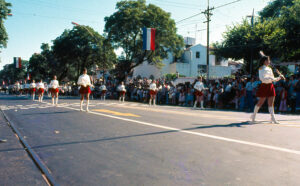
191 64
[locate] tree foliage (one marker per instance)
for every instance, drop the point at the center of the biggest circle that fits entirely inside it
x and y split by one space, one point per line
12 74
4 12
124 30
276 32
79 48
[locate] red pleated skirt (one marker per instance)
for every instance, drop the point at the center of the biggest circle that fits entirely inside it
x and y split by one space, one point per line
54 90
122 93
85 90
32 90
266 90
41 90
152 92
198 93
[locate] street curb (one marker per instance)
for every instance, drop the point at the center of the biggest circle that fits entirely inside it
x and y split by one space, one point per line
33 155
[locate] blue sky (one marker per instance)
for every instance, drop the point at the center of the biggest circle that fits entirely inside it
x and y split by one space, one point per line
40 21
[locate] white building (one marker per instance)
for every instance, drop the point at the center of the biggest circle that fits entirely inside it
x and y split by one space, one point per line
191 64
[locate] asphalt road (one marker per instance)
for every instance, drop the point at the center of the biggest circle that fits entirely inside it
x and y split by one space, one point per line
135 144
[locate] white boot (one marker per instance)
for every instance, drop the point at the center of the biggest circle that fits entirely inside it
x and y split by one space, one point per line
120 98
81 101
253 116
33 96
154 103
123 99
42 98
202 107
195 104
56 101
87 105
150 100
52 101
104 98
273 119
39 98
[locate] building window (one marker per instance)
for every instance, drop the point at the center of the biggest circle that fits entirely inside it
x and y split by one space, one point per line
197 54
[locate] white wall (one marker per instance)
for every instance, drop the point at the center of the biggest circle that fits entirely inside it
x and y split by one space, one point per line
219 71
146 70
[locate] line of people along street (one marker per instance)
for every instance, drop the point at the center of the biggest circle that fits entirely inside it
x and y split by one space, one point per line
228 93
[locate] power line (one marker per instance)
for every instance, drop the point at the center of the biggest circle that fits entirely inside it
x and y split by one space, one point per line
210 9
177 3
226 4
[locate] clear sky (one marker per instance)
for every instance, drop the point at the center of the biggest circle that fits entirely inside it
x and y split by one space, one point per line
40 21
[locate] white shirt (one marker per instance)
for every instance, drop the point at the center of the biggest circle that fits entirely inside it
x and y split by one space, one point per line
54 84
40 85
199 86
103 87
84 80
153 86
18 86
121 88
266 75
32 85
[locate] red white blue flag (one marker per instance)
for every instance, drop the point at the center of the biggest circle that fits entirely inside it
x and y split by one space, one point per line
28 76
18 62
149 39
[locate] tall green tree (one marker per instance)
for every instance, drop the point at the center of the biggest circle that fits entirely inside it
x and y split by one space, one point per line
4 12
13 74
276 32
273 9
124 30
81 47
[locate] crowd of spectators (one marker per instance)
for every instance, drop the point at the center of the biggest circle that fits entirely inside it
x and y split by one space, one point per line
227 93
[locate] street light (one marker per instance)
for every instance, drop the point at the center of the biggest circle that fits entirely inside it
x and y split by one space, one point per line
76 24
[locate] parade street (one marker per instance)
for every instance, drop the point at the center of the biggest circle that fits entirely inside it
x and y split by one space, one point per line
136 144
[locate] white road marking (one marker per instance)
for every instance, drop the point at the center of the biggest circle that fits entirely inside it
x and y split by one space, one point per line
198 133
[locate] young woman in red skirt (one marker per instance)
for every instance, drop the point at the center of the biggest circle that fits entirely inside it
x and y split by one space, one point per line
53 88
84 81
266 89
122 90
32 89
199 88
152 92
41 88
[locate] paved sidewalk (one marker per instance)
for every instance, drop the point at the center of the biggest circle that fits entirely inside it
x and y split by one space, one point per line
16 168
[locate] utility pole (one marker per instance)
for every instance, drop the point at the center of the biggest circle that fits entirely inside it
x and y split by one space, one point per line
207 14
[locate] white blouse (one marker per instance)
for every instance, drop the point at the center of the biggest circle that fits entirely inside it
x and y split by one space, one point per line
54 84
84 80
266 75
199 86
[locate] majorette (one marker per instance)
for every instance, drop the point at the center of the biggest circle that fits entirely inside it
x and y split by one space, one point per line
266 89
85 82
41 89
122 90
32 89
53 88
153 91
199 88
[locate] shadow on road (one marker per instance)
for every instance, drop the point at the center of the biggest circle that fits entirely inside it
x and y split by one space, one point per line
42 113
137 135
